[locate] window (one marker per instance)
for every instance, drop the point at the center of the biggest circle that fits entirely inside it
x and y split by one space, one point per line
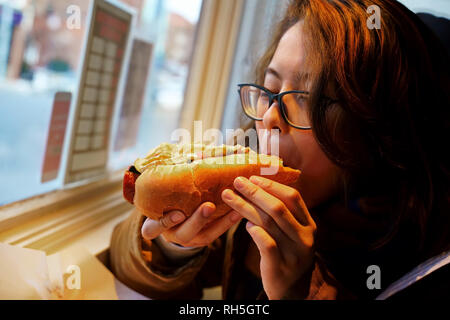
439 8
258 23
173 29
86 215
40 55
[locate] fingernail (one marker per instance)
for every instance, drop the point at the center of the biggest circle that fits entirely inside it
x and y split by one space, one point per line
249 224
177 217
227 194
144 232
235 217
207 211
239 182
255 179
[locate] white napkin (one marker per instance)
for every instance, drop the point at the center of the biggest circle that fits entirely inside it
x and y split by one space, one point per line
72 274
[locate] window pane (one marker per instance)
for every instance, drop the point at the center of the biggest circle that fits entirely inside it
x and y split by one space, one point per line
170 25
38 56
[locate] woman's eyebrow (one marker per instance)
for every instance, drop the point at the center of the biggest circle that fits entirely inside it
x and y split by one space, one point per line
272 72
300 77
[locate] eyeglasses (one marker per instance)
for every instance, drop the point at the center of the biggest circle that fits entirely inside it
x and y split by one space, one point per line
256 100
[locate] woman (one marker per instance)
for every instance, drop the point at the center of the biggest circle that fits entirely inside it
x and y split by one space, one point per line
364 123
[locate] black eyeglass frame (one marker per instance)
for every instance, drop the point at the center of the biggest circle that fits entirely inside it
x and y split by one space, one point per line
278 97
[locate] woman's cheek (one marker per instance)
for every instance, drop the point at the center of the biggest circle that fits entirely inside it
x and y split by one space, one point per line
319 179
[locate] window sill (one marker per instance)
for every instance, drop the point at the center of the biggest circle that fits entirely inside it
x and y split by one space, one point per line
84 215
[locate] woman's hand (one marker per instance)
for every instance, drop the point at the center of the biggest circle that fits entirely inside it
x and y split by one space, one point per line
195 231
281 227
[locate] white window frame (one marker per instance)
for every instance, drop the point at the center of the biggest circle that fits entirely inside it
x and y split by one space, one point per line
212 63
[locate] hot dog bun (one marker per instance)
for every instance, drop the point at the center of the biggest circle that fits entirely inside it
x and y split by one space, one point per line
181 177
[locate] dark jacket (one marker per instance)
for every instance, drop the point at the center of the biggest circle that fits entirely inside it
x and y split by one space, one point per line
339 272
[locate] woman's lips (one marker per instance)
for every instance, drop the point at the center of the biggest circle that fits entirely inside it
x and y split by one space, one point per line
285 159
290 156
269 142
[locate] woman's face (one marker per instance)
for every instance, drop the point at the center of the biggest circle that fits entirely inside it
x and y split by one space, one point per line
298 148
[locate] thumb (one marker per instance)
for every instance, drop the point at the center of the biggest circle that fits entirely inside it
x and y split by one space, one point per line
153 228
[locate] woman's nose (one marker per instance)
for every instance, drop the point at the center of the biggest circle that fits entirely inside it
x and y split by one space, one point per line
273 119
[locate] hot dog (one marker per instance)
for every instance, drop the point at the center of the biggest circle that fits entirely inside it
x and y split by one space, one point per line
181 177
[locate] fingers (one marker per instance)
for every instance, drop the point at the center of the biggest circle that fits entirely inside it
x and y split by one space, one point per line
196 230
184 233
215 229
267 246
153 228
288 195
271 205
254 214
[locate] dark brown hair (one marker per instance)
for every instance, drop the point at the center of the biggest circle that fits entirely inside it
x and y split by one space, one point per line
388 131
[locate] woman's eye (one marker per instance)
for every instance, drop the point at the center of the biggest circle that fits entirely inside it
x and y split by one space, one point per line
301 98
263 96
